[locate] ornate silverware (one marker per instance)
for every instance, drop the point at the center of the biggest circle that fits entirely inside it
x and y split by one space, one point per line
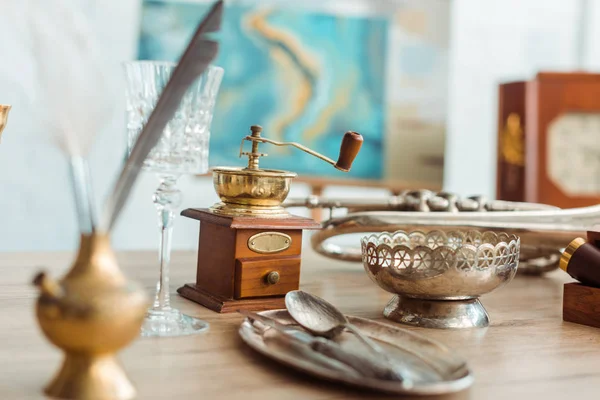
322 318
544 230
364 363
438 276
431 367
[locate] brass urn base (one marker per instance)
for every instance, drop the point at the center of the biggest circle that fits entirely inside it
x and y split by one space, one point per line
85 376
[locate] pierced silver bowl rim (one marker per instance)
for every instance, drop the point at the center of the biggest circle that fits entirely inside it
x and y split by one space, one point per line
376 239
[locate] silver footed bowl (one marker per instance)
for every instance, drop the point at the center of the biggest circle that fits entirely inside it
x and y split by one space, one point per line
438 276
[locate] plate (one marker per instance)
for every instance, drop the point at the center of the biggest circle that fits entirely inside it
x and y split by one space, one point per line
431 366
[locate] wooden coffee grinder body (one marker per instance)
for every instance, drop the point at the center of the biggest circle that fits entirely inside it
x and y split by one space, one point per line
246 262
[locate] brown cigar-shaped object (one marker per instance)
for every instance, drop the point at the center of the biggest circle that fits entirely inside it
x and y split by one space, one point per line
581 260
351 143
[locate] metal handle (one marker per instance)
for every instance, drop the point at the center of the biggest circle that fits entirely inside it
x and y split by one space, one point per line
305 149
366 363
351 144
367 341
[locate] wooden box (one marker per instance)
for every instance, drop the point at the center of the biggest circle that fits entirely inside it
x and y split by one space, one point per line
232 273
510 182
581 304
548 131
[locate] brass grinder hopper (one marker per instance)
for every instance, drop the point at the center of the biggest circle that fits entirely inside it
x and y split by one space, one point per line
252 191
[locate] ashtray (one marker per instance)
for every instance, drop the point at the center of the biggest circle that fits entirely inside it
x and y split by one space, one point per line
438 276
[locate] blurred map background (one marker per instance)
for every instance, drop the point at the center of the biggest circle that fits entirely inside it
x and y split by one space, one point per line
310 75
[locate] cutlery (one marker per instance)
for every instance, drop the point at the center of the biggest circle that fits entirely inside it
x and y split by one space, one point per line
363 363
323 318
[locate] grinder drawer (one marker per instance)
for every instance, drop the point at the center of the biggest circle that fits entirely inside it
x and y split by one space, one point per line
256 277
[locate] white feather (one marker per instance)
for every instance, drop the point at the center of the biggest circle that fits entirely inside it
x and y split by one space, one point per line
72 100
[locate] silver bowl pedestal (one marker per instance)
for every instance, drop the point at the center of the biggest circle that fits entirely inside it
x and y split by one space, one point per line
441 314
437 277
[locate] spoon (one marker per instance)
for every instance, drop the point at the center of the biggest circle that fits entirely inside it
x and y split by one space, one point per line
323 319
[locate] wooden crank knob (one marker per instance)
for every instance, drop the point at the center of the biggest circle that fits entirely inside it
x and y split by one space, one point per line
351 144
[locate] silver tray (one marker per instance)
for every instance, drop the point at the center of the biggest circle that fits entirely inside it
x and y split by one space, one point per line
432 367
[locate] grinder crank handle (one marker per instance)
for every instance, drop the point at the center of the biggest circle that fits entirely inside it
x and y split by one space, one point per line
351 144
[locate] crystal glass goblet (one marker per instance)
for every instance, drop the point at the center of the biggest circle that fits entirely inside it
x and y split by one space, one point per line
182 149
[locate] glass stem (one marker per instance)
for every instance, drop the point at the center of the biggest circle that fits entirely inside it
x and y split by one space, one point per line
167 199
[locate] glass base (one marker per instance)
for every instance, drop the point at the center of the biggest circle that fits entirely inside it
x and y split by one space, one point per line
171 323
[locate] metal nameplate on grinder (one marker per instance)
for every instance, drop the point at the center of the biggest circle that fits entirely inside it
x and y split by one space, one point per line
269 242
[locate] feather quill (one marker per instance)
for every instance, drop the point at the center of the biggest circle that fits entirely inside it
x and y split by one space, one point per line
72 98
195 59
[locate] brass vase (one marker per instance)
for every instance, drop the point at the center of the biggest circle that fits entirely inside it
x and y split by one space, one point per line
90 314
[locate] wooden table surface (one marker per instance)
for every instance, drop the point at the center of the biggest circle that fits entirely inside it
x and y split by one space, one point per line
527 352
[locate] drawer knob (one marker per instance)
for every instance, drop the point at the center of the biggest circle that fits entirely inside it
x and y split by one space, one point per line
272 277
